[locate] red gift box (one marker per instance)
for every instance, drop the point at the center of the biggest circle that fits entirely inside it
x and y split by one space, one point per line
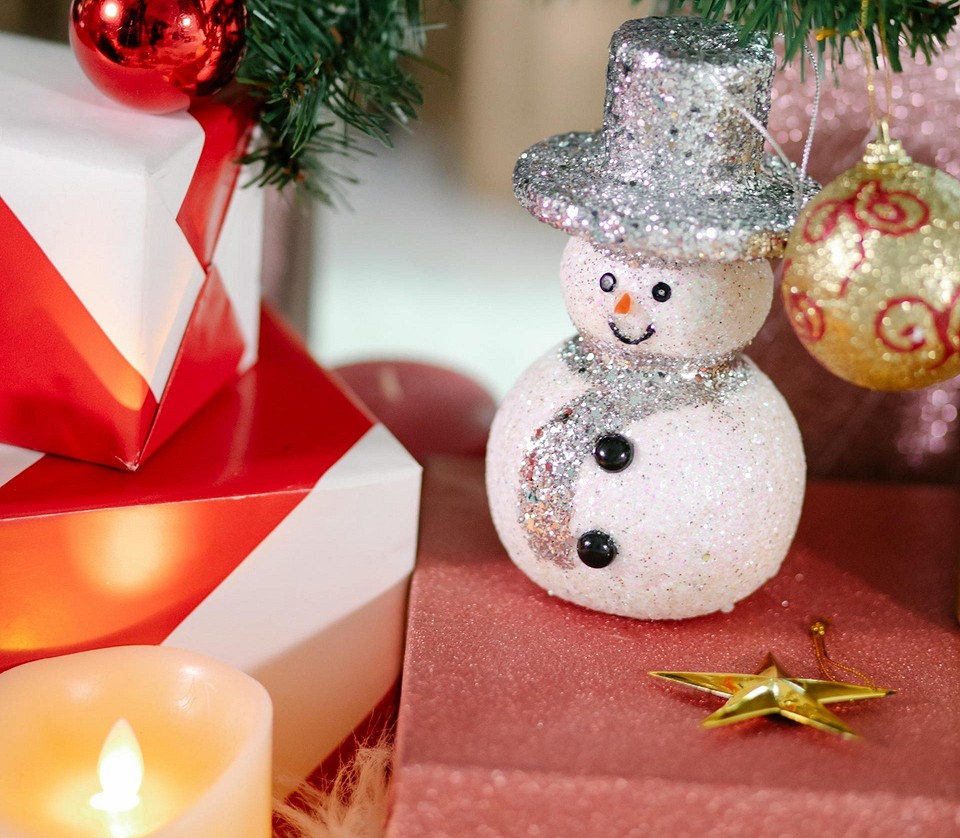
129 261
525 715
276 532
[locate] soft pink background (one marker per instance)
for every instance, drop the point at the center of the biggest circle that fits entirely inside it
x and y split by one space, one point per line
522 715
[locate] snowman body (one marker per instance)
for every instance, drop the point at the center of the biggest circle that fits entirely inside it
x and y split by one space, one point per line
645 467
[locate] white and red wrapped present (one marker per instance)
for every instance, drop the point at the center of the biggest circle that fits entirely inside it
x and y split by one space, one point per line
276 532
129 261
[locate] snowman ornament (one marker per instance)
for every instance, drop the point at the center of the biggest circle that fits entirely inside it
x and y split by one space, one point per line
645 467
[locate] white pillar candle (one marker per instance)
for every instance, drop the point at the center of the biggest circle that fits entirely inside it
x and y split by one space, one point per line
134 741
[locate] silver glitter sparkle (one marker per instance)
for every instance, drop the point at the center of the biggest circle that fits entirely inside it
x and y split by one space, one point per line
617 391
677 170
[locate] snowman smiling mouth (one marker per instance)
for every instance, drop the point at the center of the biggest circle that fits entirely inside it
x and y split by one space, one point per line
626 339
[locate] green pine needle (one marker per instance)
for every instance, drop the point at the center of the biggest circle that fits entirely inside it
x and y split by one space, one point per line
917 26
323 73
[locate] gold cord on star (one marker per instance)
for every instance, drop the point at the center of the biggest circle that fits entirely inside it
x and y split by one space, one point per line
818 634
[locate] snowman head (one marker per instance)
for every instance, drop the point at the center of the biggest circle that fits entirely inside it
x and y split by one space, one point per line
640 307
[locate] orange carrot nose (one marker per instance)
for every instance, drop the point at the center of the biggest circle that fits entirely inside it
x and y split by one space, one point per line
623 305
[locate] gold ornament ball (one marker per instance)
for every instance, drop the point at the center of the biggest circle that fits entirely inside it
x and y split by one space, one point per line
871 278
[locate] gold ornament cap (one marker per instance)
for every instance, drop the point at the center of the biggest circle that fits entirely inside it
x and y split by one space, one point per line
884 149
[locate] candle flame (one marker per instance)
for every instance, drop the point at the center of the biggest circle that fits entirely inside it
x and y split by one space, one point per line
120 769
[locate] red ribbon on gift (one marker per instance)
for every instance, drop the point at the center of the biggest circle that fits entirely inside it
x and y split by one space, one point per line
64 387
94 557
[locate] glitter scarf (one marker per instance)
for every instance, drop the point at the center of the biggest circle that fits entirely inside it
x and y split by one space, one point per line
617 391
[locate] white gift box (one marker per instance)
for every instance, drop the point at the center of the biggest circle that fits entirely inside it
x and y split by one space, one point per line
276 532
129 261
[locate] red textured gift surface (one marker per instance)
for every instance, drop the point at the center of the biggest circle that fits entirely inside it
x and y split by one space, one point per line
275 532
525 715
129 261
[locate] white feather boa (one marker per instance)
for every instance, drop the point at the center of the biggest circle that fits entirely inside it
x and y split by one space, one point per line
355 806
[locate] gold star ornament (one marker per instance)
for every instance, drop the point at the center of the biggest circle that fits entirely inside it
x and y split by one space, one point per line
772 691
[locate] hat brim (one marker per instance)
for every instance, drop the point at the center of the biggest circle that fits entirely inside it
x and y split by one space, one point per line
566 182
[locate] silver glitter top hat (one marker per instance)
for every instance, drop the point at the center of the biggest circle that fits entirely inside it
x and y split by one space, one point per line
677 171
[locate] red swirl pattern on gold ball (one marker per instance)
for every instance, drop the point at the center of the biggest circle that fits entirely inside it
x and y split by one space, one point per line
906 324
158 55
806 316
871 207
871 279
892 212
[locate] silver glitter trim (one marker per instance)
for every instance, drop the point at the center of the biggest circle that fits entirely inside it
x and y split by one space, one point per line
617 392
677 171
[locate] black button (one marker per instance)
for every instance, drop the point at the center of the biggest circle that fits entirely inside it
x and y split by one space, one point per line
613 452
596 548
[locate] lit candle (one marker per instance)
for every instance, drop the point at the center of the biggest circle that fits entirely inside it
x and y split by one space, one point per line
134 741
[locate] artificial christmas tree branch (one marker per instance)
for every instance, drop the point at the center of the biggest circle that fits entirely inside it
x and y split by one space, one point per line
917 26
322 73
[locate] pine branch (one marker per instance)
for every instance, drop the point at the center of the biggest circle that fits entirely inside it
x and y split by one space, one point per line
323 73
918 26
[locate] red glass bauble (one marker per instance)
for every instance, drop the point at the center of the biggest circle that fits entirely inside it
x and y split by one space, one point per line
158 55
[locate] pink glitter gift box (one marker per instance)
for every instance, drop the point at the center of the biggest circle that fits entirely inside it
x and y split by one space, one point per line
523 715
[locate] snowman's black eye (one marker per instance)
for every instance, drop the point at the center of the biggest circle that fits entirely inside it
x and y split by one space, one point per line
608 282
661 292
